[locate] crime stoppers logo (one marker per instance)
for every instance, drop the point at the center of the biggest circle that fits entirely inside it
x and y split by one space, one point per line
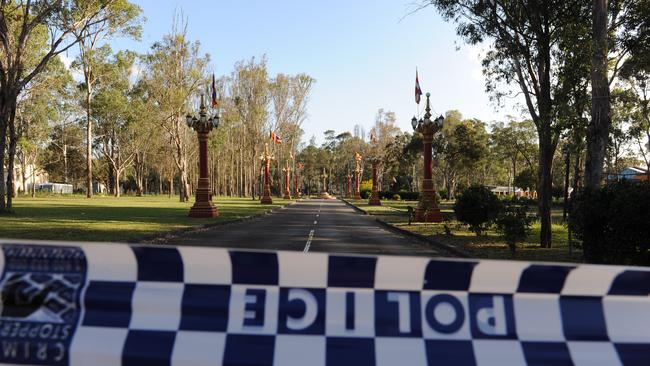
40 289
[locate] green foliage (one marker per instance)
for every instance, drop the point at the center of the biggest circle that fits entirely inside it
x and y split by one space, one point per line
477 207
526 179
513 223
612 223
397 197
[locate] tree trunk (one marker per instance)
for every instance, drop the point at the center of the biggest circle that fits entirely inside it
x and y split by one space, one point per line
598 129
171 184
13 141
3 139
117 183
23 170
567 168
89 145
545 183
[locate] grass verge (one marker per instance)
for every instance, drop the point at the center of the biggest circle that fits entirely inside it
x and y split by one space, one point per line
75 218
489 245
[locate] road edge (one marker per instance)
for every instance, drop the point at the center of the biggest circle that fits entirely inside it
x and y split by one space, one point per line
162 238
446 247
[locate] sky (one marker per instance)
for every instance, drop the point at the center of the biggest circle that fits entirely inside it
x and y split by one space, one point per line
362 53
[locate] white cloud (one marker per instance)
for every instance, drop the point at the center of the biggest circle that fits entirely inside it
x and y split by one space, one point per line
67 61
475 55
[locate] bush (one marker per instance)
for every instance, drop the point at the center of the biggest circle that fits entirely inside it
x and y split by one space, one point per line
397 197
613 223
477 207
365 193
444 194
513 223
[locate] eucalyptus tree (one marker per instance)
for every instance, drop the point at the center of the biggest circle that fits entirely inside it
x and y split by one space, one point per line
249 89
114 116
175 72
40 105
123 20
524 53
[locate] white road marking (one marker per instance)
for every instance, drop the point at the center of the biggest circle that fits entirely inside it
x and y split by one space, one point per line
311 233
311 236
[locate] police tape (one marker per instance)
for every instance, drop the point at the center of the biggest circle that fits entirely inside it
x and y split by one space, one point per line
115 304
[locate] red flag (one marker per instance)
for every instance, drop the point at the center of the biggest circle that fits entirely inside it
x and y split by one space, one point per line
418 91
214 92
276 139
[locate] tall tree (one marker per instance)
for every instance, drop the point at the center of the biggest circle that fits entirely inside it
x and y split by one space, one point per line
175 73
114 116
524 38
598 130
122 20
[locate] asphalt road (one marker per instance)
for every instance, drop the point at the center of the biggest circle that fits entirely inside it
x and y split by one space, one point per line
314 225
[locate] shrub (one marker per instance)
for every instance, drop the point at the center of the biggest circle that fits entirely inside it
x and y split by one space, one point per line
613 223
444 194
397 197
365 193
513 223
477 207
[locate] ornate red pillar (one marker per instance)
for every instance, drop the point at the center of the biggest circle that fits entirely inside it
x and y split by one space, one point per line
266 195
357 185
287 192
374 197
203 206
427 210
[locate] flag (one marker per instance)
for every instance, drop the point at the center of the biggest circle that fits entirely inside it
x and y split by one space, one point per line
358 157
276 138
418 91
214 92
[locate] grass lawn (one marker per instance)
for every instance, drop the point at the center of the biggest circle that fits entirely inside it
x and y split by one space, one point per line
127 218
488 245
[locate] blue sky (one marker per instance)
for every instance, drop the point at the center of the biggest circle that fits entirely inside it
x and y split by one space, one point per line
362 53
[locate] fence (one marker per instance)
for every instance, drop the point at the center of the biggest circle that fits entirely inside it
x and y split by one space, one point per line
112 304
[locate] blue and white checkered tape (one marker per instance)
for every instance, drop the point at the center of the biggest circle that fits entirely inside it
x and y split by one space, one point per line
115 304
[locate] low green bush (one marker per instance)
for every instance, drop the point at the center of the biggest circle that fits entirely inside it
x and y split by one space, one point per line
477 207
513 223
613 223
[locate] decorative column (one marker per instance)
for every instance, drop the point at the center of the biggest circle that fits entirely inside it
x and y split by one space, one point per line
296 175
324 193
266 157
374 197
203 207
287 192
427 210
357 186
